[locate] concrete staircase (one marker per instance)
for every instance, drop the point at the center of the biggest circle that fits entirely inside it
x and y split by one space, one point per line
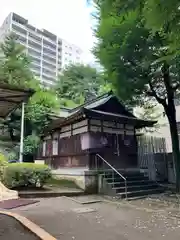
138 185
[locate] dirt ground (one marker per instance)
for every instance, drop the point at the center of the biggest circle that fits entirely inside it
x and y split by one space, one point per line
12 229
66 219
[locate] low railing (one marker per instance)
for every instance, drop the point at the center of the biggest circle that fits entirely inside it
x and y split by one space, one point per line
114 171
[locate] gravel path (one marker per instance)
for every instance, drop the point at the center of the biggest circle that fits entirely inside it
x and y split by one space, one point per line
67 220
12 229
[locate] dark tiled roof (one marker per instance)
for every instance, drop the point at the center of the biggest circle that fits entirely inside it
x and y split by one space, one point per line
93 109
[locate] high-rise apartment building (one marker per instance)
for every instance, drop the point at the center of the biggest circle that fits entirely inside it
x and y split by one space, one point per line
49 54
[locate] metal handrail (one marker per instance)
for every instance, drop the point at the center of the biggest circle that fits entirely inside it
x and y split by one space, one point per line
125 181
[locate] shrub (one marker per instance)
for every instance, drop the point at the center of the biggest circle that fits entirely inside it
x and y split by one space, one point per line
26 175
3 164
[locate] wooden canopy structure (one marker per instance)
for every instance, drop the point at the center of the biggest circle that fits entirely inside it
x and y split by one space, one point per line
11 97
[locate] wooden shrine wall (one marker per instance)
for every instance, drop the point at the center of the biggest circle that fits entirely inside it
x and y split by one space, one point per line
76 144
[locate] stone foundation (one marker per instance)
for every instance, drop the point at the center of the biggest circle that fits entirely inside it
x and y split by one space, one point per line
6 194
84 178
39 161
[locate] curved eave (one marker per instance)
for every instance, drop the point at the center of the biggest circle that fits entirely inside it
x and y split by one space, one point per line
87 113
137 123
57 124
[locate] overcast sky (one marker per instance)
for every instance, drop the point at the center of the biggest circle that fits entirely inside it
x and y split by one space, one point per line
69 19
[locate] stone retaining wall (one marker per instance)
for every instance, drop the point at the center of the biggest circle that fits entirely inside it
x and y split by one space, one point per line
84 178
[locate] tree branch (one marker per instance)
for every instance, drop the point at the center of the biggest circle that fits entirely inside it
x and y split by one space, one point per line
153 93
166 77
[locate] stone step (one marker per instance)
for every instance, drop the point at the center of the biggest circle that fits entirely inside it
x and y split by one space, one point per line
130 183
49 194
138 193
136 188
133 178
110 174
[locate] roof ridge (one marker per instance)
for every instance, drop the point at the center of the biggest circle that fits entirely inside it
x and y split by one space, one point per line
91 101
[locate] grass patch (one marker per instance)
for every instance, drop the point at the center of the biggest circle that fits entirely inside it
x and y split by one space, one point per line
62 183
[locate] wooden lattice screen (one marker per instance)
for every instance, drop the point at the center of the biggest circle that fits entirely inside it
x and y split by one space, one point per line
152 156
148 146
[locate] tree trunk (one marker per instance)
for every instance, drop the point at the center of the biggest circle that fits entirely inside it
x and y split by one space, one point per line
171 114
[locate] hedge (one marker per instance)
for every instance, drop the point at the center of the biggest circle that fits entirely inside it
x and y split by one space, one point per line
3 164
26 175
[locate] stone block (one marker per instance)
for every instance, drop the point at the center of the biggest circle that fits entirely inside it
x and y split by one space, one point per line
6 194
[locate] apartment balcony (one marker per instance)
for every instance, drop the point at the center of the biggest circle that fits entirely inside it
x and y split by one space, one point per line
49 58
34 57
36 66
34 41
49 72
49 63
21 43
49 42
51 69
36 46
49 49
18 18
20 35
48 77
35 35
50 53
37 51
18 28
38 33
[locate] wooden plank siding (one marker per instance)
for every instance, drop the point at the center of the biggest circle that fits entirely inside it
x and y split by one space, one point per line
152 156
119 144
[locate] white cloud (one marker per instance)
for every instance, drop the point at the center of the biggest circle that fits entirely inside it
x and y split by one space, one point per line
69 19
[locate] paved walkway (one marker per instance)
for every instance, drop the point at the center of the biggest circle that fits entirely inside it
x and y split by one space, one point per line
12 229
67 220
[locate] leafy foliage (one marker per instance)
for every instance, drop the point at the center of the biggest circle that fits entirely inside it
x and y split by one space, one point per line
14 64
164 16
134 45
19 175
79 83
3 164
40 105
30 144
15 70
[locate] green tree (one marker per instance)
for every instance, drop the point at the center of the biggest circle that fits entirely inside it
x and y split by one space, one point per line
138 58
14 63
79 83
164 16
15 70
150 111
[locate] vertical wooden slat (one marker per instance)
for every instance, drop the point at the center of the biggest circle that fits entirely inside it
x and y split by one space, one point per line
152 155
